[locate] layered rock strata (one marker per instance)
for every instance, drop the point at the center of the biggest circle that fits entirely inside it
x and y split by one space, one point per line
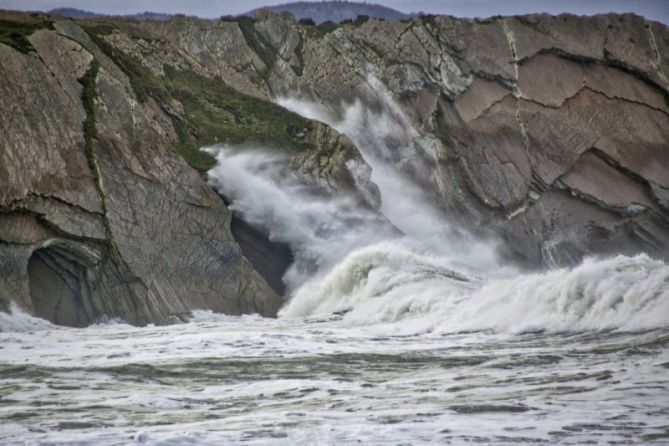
552 133
100 216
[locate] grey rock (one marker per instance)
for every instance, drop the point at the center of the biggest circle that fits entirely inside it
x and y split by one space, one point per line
517 108
125 229
550 132
593 177
661 194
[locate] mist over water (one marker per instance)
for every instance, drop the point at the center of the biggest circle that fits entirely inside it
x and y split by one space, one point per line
429 275
320 229
398 328
400 158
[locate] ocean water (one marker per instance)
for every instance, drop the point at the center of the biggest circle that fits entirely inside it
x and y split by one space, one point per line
248 380
398 329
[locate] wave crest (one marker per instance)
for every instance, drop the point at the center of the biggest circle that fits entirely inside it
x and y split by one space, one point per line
387 283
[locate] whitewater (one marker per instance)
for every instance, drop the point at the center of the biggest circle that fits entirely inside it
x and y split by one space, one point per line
399 328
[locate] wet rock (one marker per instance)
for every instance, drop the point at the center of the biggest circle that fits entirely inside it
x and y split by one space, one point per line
106 221
551 132
517 107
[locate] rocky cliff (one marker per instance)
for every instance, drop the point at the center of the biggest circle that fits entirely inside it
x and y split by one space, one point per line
100 216
550 132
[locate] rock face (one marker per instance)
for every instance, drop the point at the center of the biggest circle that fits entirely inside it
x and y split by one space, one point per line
99 216
550 132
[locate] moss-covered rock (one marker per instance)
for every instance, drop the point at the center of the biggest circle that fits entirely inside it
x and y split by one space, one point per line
16 33
214 112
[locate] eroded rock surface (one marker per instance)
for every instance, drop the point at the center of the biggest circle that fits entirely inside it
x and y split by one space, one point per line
550 132
106 220
531 119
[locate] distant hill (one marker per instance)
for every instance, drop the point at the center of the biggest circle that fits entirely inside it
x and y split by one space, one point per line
81 14
330 10
74 13
336 11
148 15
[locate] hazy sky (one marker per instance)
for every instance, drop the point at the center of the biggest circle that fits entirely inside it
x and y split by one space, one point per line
654 9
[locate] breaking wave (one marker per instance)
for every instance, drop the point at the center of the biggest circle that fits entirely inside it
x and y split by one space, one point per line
410 292
431 277
19 320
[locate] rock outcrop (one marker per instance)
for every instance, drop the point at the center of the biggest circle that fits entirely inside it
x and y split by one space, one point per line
101 215
550 132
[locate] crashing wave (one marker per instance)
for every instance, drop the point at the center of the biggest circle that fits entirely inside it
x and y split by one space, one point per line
433 277
18 320
411 293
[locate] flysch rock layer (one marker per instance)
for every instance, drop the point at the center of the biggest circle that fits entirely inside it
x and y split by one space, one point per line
120 227
550 132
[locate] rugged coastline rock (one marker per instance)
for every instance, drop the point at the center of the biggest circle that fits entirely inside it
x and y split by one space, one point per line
550 132
100 214
107 220
530 121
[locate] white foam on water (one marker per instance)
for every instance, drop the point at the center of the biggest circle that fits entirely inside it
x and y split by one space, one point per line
19 320
248 380
409 292
432 277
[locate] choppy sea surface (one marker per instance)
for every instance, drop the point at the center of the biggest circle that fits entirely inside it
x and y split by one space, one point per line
248 380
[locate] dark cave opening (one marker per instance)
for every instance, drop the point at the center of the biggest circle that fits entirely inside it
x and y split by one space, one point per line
59 286
270 258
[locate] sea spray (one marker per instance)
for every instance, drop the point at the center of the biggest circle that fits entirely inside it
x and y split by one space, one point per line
18 320
392 286
432 277
400 160
321 229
